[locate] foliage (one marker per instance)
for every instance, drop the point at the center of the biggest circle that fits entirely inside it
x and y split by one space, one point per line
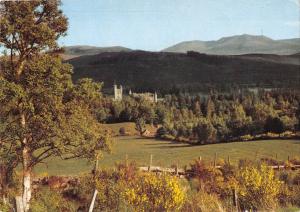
180 72
45 114
31 27
110 187
216 118
122 131
274 125
210 179
46 200
203 202
140 126
4 207
258 188
56 118
206 133
155 193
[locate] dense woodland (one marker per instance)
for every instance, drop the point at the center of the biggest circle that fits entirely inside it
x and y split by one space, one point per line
212 118
44 114
191 72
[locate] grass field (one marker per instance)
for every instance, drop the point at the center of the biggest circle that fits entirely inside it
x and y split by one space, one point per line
166 153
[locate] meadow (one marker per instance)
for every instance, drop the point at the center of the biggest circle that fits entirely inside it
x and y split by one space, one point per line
167 153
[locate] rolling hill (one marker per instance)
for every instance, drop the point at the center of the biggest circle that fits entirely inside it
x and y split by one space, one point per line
163 71
76 51
238 45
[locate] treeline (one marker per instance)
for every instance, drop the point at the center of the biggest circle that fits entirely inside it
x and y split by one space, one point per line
213 118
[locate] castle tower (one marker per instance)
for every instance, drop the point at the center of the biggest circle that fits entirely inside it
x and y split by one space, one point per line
118 93
155 97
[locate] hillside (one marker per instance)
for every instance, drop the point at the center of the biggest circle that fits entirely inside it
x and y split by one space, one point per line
240 44
192 72
76 51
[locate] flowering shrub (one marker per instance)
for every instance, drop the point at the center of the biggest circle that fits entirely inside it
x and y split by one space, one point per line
150 192
258 188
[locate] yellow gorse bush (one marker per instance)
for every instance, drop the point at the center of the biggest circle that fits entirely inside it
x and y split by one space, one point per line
258 187
149 192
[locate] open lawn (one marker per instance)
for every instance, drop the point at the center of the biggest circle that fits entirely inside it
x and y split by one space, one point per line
166 153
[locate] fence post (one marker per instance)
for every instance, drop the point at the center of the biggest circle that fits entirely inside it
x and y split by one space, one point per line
91 208
228 159
215 158
126 160
151 158
235 199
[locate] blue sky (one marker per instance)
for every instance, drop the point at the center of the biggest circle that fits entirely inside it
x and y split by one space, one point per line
157 24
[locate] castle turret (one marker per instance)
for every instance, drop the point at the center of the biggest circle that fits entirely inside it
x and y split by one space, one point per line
155 97
118 92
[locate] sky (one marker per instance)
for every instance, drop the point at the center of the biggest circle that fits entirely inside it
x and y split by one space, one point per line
156 24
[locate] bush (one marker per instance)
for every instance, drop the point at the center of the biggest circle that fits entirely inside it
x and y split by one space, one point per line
296 179
295 196
50 200
274 125
271 161
210 179
203 202
161 132
4 207
258 188
150 192
122 131
246 137
168 137
206 133
109 187
295 161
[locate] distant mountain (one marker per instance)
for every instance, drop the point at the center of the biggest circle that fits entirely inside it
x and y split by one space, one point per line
192 71
238 45
76 51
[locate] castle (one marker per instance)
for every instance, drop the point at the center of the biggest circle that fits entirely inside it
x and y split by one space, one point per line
118 95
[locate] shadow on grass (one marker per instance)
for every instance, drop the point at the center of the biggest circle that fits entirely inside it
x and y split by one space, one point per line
171 146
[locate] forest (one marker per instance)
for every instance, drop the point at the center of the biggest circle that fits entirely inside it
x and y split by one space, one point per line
217 117
46 114
191 72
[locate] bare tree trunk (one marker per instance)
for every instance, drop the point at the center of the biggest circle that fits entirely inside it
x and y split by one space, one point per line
27 190
27 170
19 204
20 67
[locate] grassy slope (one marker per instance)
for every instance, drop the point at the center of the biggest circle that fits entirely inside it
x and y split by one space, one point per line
167 153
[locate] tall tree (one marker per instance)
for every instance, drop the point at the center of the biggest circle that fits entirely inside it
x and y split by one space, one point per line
274 125
43 113
29 27
209 108
140 126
